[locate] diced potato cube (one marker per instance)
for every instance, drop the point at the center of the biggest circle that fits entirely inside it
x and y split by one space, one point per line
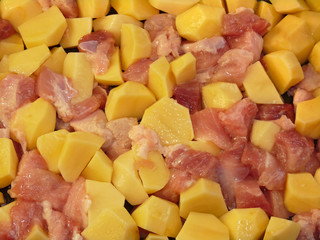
170 120
4 64
78 149
173 7
158 216
77 28
313 20
266 10
234 4
314 57
50 146
37 233
1 198
152 236
5 213
284 69
125 178
245 223
279 228
45 28
204 146
203 196
11 44
161 80
28 61
289 6
33 120
203 226
259 86
135 44
316 92
128 100
99 168
213 3
317 176
220 95
111 223
8 162
55 61
139 9
314 5
184 68
93 8
199 22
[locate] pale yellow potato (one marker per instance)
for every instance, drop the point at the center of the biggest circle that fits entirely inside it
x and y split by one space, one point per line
9 162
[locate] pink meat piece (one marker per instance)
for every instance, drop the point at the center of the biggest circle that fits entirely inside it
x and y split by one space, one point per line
285 123
275 111
6 29
138 71
69 8
311 80
4 133
5 231
313 164
301 95
276 199
309 224
31 160
157 23
86 107
101 95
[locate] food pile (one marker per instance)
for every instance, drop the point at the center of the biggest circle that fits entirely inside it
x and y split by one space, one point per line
158 119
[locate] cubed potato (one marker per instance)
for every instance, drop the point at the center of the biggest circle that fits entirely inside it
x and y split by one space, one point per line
4 64
159 216
203 226
284 69
139 9
45 28
5 213
220 95
50 146
112 23
263 134
8 163
199 22
266 11
204 146
113 76
2 201
128 100
77 28
314 57
289 6
102 195
184 68
232 5
173 7
317 176
314 5
28 61
111 223
93 8
313 20
170 120
279 228
213 3
99 168
78 149
259 87
161 81
33 120
302 192
77 67
3 75
245 223
203 196
291 33
11 44
152 236
19 11
55 61
126 179
316 92
135 44
308 118
37 233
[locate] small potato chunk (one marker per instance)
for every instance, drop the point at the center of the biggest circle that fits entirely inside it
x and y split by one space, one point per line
314 5
313 20
93 8
139 9
317 176
8 162
279 228
4 64
199 22
204 146
234 4
37 233
184 68
314 57
158 216
203 226
152 236
213 3
266 10
11 44
55 61
45 28
5 213
173 7
289 6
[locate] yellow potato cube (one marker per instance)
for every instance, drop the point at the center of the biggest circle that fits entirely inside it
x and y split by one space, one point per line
3 75
204 146
203 226
284 69
1 198
102 195
152 236
199 22
170 120
302 193
112 23
5 213
266 10
125 178
158 216
279 228
78 149
50 146
317 176
203 196
19 11
245 223
316 92
37 233
289 6
213 3
4 64
234 4
308 118
314 5
11 44
28 61
173 7
99 168
77 28
33 120
259 87
161 81
45 28
314 57
128 100
184 68
220 95
55 61
79 70
8 162
313 21
93 8
113 223
135 44
139 9
113 76
291 33
263 134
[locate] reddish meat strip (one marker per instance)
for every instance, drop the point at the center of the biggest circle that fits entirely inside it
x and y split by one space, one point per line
275 111
6 29
138 71
276 199
309 223
311 79
86 107
69 8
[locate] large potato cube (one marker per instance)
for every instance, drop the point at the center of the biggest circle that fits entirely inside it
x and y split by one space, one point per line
234 4
289 6
93 8
313 20
11 44
173 7
266 11
139 9
314 57
55 61
279 228
184 68
8 162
